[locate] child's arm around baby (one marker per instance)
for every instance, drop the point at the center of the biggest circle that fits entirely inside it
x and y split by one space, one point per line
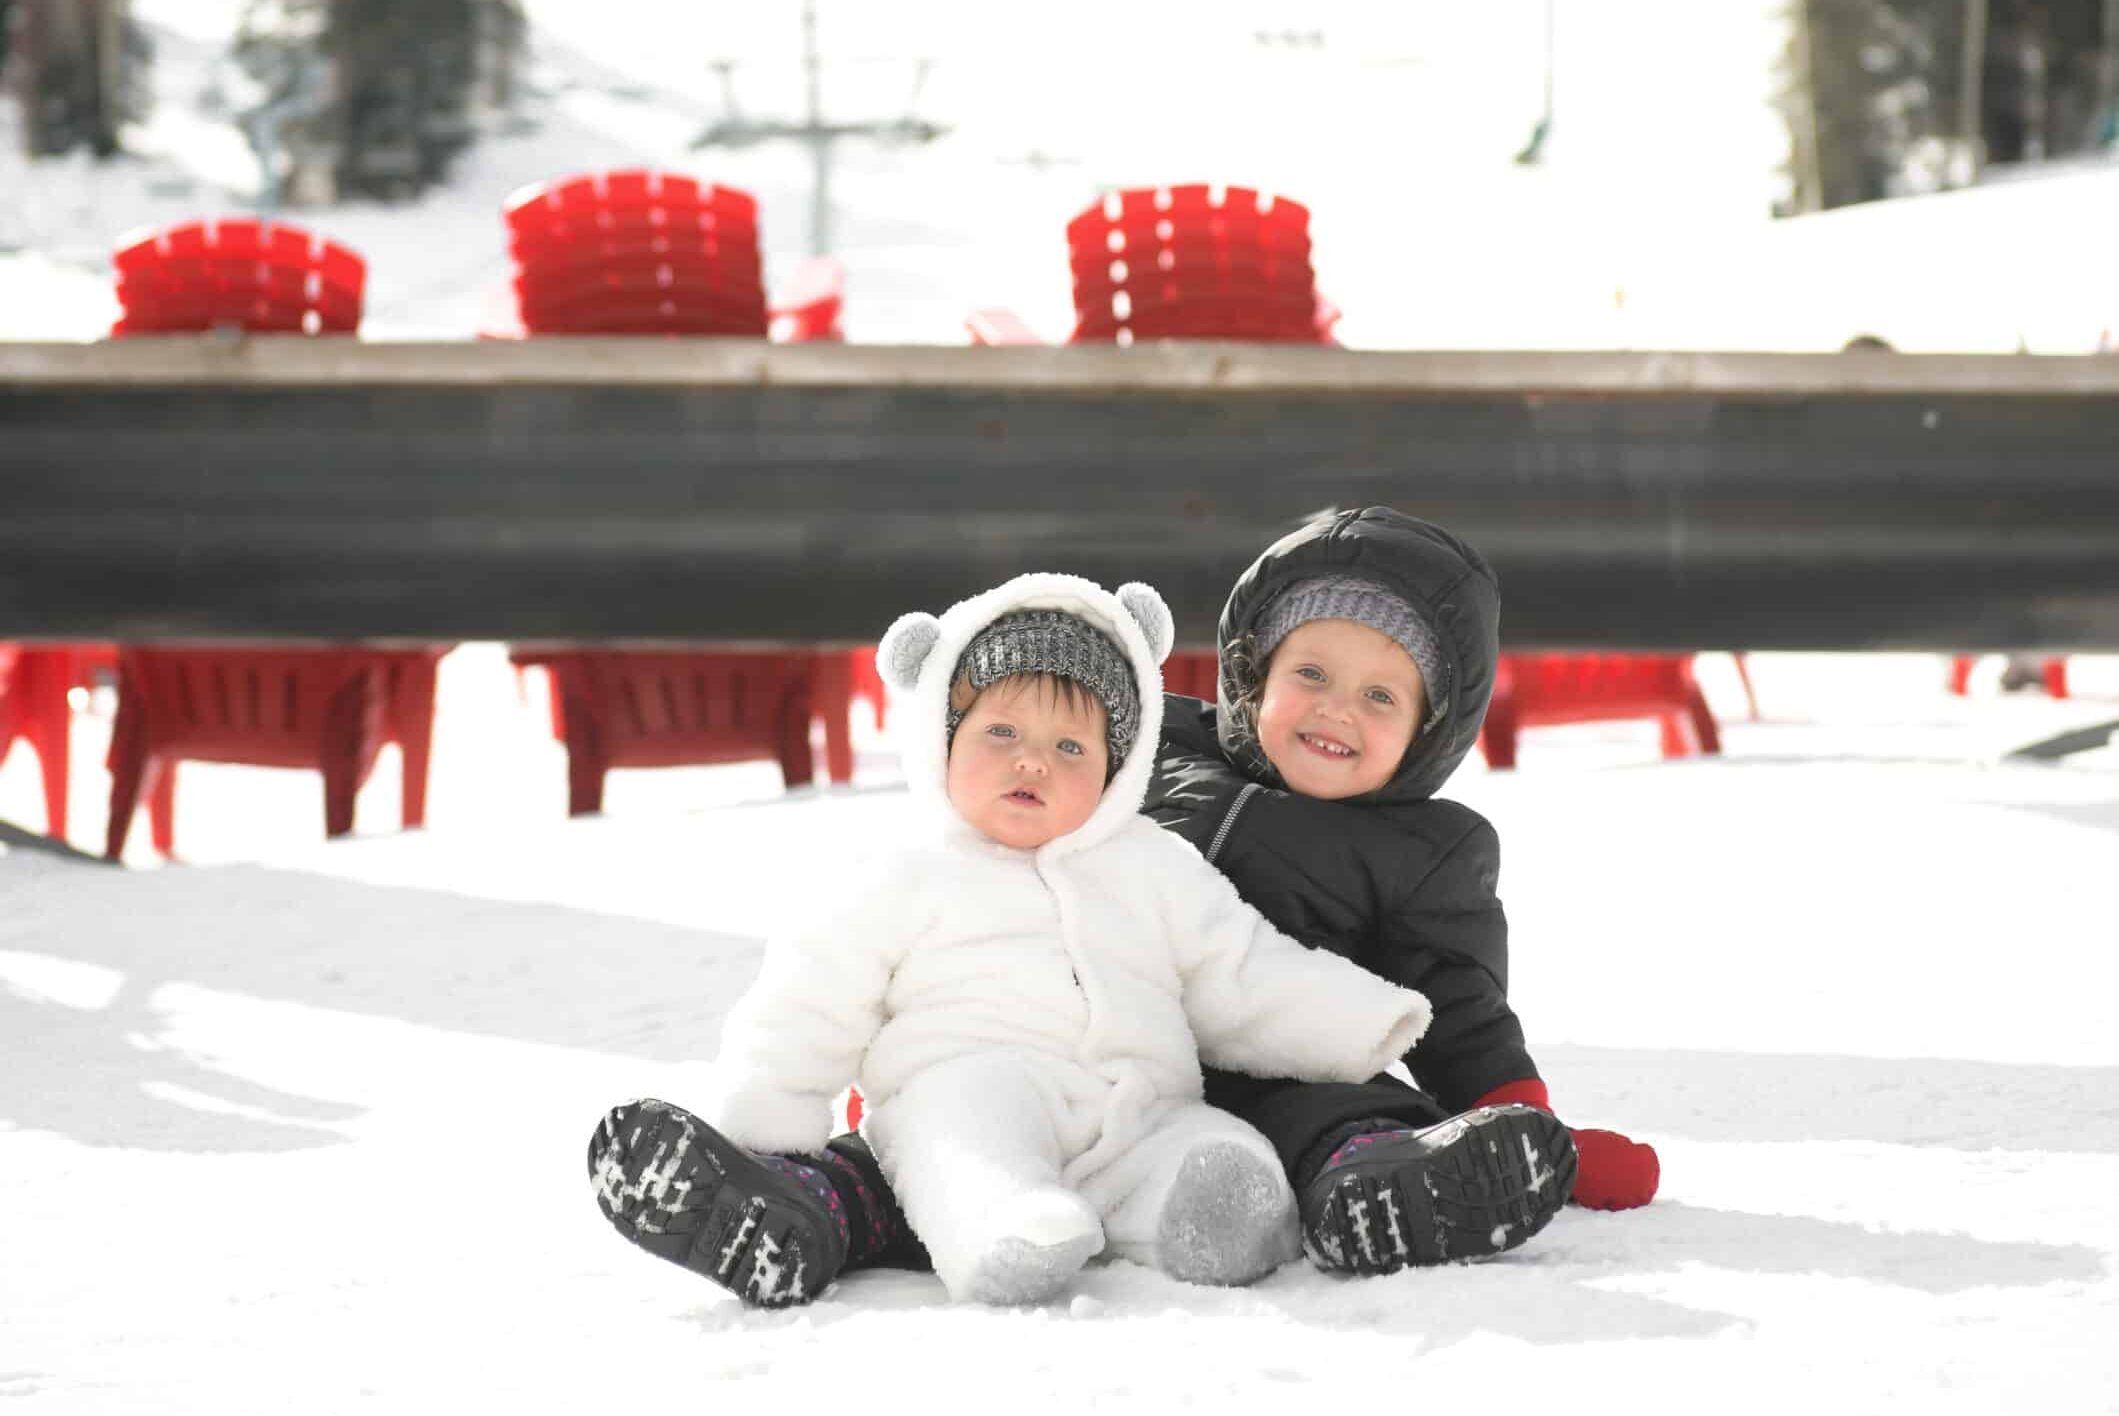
1258 1001
796 1037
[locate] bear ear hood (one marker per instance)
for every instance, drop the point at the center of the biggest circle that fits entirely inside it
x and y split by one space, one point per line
1447 582
918 655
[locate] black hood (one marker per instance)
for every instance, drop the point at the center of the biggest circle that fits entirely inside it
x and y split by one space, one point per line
1438 575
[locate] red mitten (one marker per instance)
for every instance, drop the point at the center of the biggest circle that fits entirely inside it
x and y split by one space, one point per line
1614 1172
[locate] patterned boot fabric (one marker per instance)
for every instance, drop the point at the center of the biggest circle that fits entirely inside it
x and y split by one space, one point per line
769 1229
878 1236
1476 1185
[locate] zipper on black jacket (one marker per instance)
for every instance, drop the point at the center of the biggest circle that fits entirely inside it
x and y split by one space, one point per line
1221 835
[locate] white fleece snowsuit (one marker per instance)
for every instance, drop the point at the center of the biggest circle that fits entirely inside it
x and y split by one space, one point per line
1026 1026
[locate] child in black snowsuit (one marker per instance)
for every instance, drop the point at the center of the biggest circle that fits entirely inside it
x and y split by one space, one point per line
1310 784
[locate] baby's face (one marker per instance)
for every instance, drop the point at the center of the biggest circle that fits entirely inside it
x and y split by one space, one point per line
1341 704
1027 765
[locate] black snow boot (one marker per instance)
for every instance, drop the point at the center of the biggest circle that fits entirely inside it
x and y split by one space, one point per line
878 1236
1475 1185
771 1230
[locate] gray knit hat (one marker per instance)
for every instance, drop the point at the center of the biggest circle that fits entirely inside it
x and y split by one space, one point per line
1067 646
1364 602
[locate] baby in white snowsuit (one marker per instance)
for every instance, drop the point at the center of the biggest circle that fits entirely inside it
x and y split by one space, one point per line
1024 998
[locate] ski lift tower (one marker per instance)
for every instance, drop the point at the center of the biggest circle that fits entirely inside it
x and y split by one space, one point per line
733 130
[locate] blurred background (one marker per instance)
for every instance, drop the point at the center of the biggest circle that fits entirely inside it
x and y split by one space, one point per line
1941 175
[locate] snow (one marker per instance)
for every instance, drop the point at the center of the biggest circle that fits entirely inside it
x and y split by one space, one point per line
302 1124
1397 126
1364 114
305 1122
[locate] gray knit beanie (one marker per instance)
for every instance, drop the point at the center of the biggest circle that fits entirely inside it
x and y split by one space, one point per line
1364 602
1067 646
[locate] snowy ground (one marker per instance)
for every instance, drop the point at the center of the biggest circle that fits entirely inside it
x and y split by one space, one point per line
299 1126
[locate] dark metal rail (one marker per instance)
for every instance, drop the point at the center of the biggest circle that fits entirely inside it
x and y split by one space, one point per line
727 490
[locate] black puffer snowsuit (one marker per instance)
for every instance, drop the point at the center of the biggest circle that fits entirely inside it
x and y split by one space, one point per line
1398 881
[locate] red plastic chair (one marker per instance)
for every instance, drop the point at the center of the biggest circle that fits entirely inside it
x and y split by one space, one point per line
868 683
2053 671
1195 262
636 252
1532 689
620 708
268 277
999 327
1194 672
843 676
408 681
640 252
34 708
810 309
1185 262
320 709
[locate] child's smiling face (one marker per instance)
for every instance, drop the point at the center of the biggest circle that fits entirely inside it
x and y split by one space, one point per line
1028 762
1340 706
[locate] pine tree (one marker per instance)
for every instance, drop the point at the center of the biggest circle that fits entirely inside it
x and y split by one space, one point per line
1874 91
80 70
1868 88
374 97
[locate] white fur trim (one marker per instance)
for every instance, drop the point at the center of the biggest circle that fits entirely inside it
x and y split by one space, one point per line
762 1118
1148 610
905 647
1410 1028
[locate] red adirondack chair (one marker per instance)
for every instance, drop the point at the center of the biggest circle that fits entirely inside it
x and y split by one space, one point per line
1193 262
1194 672
265 277
1530 689
36 707
636 252
1185 262
642 252
627 708
33 708
269 277
809 310
2052 672
319 709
